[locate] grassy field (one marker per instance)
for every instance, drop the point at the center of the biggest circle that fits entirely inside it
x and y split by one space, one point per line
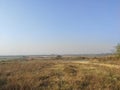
76 73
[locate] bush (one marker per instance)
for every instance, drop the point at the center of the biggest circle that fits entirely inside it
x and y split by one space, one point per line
58 57
118 50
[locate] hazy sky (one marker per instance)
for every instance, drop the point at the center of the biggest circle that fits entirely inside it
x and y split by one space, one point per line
58 26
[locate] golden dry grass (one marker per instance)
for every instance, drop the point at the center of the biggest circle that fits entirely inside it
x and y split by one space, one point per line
107 60
57 75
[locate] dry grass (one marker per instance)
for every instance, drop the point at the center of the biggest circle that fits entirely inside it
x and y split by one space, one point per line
107 60
57 75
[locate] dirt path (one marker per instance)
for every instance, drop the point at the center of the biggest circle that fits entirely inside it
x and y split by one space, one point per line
99 64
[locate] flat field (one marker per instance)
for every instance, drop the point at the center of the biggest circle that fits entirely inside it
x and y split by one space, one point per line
76 73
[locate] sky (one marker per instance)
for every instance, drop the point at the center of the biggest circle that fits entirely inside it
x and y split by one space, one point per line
59 26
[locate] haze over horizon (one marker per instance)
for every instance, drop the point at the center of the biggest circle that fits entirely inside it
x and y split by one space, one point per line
58 26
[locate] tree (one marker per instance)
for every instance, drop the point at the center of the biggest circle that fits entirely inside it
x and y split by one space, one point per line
58 57
118 50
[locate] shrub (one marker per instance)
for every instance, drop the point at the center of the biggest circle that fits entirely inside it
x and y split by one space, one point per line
118 50
58 57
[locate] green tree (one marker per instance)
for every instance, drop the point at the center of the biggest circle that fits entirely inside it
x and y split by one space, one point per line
118 50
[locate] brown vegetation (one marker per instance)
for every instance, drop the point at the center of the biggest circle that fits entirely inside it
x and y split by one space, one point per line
57 75
107 60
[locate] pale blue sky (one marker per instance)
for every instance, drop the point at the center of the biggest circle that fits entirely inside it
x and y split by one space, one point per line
58 26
